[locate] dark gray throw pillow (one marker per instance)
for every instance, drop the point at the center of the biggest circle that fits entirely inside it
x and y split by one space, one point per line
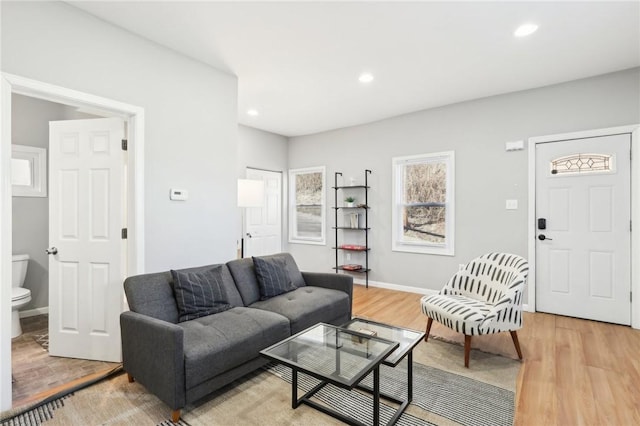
199 294
272 276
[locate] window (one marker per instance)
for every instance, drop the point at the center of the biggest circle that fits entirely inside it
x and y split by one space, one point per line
423 196
582 163
307 205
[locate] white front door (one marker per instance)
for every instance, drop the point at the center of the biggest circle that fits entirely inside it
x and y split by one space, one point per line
583 195
86 215
263 227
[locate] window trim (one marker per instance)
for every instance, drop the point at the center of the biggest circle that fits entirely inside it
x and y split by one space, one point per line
448 247
293 238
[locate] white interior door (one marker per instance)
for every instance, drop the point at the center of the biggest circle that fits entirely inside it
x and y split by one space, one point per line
263 225
86 211
583 191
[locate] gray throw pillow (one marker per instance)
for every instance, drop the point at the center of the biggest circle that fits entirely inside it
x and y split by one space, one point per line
273 278
199 294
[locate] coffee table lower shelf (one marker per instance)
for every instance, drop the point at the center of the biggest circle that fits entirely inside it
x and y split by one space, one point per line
323 350
375 392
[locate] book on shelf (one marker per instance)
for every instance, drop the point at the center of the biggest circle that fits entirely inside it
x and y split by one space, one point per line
353 247
352 267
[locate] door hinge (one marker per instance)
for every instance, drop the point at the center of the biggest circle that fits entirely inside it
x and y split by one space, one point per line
630 225
630 296
125 144
124 233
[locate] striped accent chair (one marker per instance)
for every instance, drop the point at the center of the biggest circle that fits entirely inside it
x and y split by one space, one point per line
483 298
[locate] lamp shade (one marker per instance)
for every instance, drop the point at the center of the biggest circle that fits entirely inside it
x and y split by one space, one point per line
250 193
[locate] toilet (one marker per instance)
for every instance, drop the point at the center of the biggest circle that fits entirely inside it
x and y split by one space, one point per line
19 296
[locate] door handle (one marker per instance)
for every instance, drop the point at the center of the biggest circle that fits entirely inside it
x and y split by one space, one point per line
249 235
52 250
543 237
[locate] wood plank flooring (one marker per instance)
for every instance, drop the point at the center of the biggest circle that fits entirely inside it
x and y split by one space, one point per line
574 372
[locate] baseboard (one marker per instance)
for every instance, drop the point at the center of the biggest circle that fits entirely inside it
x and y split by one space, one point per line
410 289
398 287
34 312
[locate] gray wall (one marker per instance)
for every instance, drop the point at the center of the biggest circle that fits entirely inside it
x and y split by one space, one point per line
261 150
30 126
486 175
268 151
190 120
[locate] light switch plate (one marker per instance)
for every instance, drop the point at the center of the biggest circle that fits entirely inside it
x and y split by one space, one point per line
511 205
178 194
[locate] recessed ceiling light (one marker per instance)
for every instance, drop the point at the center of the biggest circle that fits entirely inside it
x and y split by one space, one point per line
253 112
365 78
525 30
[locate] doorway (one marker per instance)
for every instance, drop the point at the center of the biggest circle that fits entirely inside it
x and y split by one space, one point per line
538 237
134 116
263 225
583 214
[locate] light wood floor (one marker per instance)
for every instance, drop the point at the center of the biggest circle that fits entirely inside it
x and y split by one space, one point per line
574 372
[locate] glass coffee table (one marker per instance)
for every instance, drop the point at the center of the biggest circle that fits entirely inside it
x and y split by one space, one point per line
344 356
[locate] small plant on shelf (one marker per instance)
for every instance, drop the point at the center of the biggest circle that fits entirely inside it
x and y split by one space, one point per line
350 201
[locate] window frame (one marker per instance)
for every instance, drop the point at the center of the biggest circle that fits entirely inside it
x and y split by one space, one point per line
293 237
397 243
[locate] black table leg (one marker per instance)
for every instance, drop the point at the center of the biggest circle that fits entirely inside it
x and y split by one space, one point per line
376 396
294 388
410 376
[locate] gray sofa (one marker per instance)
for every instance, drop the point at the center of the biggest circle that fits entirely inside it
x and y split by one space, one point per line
181 362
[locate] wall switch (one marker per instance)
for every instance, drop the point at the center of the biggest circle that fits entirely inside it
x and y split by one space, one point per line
512 205
348 256
178 194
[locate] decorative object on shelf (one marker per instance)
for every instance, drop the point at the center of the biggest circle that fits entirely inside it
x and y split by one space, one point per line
352 267
353 220
352 223
350 201
359 339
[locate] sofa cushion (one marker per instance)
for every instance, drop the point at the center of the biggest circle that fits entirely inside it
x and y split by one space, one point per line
272 276
244 275
200 293
309 305
152 294
217 343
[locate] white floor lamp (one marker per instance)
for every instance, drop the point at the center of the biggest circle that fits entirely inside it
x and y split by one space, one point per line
250 194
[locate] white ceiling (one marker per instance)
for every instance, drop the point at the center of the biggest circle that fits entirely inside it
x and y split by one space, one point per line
298 62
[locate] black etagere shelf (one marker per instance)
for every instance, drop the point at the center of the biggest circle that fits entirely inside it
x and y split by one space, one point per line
364 250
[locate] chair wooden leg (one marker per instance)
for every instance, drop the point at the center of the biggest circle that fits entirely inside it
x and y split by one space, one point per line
130 378
175 415
426 333
514 336
467 350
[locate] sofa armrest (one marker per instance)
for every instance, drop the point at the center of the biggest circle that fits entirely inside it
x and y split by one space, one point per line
153 354
339 282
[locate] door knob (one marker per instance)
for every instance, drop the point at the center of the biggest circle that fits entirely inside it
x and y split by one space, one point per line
249 235
52 250
543 237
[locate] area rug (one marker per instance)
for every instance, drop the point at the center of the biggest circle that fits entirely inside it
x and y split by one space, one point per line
42 340
444 394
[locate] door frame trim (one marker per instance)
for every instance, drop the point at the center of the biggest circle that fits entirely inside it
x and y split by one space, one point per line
134 116
634 131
